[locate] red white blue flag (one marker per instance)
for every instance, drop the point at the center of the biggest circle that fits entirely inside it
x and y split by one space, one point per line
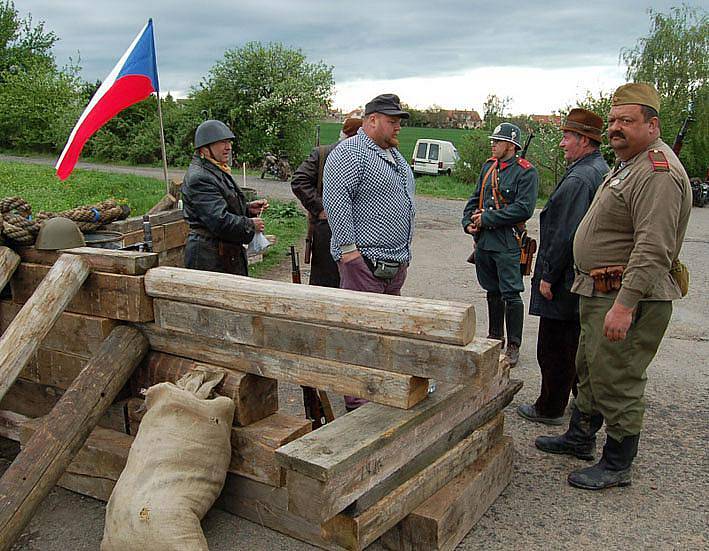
133 79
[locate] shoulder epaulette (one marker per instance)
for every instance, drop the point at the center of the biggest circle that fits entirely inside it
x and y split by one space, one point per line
524 163
658 160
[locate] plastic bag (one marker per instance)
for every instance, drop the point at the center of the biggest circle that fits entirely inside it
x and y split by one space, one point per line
258 244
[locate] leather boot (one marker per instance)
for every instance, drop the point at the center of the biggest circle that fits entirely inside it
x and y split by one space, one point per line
579 439
612 470
512 354
496 317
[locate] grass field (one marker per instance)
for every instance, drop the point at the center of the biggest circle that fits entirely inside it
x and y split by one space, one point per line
330 131
39 186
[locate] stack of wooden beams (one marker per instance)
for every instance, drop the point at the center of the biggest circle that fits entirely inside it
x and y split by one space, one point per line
414 468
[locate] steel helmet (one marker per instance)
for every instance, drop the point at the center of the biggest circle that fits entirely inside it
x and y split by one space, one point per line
210 132
508 132
59 233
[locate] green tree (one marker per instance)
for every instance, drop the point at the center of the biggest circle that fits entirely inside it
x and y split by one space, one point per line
494 110
22 44
270 96
674 57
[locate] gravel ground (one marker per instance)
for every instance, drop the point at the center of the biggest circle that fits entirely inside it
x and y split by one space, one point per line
665 508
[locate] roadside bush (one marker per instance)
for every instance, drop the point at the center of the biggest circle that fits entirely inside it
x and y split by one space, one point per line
474 150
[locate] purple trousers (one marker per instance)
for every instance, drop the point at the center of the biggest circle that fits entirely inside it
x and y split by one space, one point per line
355 275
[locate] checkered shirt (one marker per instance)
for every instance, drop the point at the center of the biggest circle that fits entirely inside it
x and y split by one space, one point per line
369 200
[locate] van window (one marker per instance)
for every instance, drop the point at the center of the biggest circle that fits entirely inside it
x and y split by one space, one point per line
433 152
456 155
421 151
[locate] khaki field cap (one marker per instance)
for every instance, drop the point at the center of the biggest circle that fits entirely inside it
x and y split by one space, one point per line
585 123
637 93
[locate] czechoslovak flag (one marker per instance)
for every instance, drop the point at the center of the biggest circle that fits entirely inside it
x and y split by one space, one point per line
133 79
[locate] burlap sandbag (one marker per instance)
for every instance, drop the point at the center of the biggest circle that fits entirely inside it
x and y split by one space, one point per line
175 471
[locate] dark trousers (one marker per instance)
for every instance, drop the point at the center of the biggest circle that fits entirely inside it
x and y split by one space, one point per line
557 342
323 269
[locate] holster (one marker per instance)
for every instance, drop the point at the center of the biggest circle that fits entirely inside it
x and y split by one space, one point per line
680 274
527 248
607 279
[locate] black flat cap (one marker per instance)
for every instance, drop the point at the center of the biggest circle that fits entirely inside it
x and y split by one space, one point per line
388 104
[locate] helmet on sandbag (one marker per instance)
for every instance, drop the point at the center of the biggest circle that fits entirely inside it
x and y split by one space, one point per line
59 233
211 131
508 132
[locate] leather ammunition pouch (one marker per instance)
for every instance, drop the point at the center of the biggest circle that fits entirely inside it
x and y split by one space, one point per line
680 274
607 279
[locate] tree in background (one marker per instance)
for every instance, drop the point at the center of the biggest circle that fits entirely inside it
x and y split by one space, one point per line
494 110
23 45
270 96
674 57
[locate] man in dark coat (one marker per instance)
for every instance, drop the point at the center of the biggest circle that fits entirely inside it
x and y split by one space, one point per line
221 221
552 300
307 187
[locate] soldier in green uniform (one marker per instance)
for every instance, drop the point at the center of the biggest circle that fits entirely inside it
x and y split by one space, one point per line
503 200
627 272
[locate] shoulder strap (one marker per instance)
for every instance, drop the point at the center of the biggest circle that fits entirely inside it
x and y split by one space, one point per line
491 170
658 160
321 166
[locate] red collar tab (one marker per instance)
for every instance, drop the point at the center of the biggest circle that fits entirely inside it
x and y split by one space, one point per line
658 160
524 163
504 165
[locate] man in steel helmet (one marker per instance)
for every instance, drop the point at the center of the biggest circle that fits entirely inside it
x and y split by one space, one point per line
504 198
221 221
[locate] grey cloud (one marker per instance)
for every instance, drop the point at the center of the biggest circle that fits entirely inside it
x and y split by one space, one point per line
363 39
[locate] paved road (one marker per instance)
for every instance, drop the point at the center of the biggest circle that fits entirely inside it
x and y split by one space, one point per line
666 508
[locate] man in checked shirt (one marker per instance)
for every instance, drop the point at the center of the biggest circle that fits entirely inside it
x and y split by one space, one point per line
368 195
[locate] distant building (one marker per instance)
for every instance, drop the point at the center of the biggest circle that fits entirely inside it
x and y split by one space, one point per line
546 119
355 114
455 118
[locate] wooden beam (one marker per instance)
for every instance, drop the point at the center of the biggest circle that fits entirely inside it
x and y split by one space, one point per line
168 202
358 531
9 261
114 296
253 448
135 223
255 397
367 446
401 391
442 521
434 320
268 506
172 257
439 361
42 462
100 260
38 315
76 334
170 236
11 424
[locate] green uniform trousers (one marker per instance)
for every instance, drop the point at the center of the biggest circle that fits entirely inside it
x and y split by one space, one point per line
612 375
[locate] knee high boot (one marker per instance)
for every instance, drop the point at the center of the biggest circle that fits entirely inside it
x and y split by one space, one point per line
496 317
580 438
613 469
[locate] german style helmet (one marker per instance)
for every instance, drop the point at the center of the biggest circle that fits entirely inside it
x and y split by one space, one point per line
508 132
59 233
211 131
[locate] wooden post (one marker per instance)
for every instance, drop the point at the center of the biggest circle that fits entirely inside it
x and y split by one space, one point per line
9 261
47 454
38 315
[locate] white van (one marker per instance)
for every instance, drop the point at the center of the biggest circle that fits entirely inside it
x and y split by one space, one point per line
434 157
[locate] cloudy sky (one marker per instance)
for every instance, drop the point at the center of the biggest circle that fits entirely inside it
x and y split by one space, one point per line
452 53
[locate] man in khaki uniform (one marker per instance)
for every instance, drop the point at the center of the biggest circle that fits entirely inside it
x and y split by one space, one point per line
624 250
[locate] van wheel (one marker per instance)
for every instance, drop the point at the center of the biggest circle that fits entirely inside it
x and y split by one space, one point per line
448 172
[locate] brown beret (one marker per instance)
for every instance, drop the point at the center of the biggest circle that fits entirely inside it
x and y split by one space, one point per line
350 126
637 93
585 123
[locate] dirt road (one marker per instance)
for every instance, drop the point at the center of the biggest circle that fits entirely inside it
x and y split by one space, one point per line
665 508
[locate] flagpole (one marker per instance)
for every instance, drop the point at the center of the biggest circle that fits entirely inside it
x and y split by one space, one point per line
162 145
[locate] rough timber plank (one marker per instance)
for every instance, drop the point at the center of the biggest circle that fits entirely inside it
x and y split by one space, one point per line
334 466
268 506
135 223
443 362
170 236
76 334
46 455
172 257
11 424
255 397
436 320
97 466
49 367
401 391
9 261
358 531
113 296
253 447
100 260
32 323
442 521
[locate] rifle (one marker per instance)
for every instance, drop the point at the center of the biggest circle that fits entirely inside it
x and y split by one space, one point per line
315 402
526 145
679 140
